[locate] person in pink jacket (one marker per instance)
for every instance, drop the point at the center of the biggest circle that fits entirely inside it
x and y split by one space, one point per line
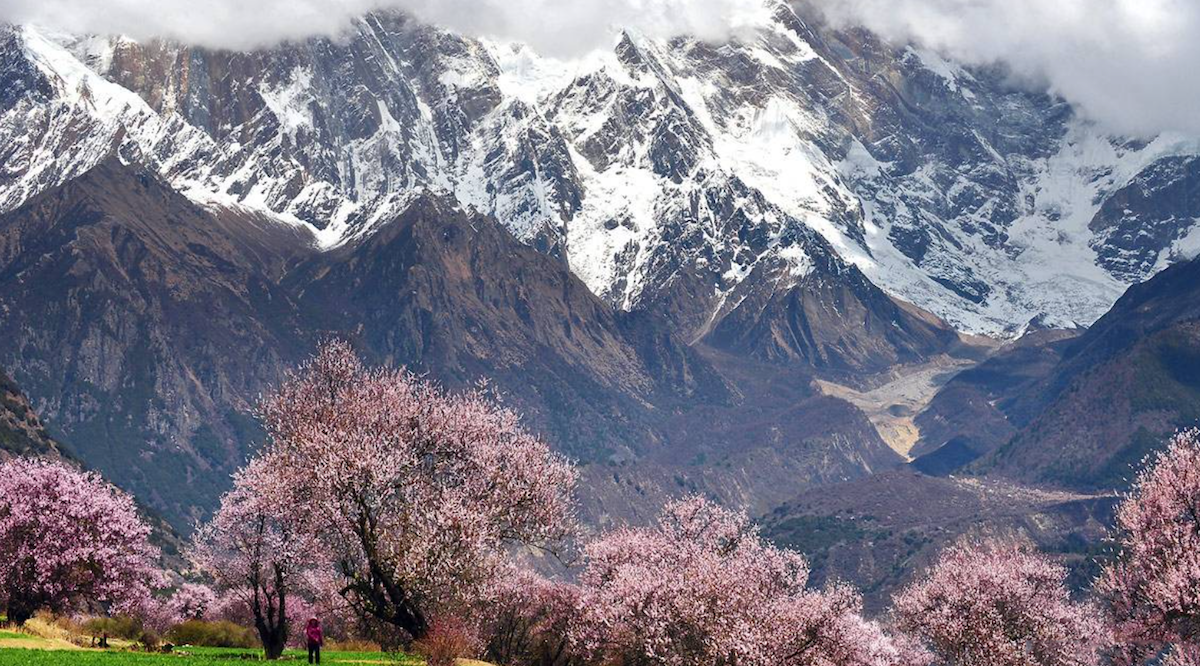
314 637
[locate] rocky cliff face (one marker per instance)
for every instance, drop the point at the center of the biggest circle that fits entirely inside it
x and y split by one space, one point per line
147 326
22 433
143 326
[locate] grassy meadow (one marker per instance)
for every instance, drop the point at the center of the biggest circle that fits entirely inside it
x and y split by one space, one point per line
32 656
40 646
16 651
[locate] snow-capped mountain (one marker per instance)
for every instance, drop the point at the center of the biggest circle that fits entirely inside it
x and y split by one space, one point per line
652 250
671 175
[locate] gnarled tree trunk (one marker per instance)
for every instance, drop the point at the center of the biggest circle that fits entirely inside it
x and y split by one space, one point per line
270 617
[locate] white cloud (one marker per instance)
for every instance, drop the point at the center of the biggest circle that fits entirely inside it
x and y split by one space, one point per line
554 27
1131 65
1128 64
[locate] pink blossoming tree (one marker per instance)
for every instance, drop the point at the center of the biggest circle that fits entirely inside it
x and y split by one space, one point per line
526 621
255 553
701 588
68 537
192 601
1152 591
416 494
1000 603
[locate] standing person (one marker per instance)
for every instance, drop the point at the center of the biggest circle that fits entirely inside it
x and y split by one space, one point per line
315 639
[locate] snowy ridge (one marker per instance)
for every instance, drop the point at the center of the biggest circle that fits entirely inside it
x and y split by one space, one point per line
653 169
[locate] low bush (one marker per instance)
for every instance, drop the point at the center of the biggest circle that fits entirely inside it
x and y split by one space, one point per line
149 641
219 634
448 640
127 628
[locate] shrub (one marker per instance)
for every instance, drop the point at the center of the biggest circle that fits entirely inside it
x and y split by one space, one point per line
150 641
448 639
220 634
124 627
54 627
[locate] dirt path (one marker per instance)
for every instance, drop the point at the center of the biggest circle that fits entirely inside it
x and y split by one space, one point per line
893 406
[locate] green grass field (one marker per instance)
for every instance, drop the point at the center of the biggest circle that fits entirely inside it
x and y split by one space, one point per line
44 656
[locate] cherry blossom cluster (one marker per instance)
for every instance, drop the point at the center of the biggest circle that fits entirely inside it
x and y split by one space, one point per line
1153 589
68 538
701 587
999 602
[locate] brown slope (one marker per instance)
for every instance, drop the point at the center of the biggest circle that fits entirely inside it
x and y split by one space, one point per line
1119 392
778 434
145 327
833 320
1098 429
881 532
142 326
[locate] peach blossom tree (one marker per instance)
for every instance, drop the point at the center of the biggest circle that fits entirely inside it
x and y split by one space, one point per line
702 588
257 554
415 494
1152 590
999 602
67 538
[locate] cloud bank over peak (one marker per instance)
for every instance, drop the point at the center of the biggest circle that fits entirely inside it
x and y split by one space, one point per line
553 27
1130 65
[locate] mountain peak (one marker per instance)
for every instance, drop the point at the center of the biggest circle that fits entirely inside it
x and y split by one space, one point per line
654 162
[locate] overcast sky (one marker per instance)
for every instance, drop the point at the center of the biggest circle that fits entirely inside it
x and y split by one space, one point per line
1132 65
559 27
